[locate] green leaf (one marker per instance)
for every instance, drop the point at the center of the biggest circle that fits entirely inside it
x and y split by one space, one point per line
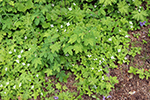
51 57
29 4
137 2
89 41
132 70
53 16
78 48
48 16
56 66
141 76
64 87
113 80
21 7
140 71
48 72
73 38
37 21
68 50
147 74
139 15
101 11
61 76
107 2
37 61
58 86
45 25
55 47
123 7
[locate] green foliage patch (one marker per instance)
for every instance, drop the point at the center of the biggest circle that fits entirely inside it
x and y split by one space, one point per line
42 38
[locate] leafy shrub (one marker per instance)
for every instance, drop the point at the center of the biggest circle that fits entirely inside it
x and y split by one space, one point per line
43 38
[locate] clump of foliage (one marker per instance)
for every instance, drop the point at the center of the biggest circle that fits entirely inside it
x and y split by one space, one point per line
41 38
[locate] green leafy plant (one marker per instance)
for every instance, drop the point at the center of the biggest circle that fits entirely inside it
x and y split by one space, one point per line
44 38
144 42
136 35
142 73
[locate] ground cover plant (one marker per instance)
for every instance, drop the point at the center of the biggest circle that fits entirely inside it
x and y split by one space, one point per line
43 38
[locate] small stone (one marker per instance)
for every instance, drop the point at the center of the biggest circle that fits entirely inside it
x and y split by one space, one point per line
132 92
131 76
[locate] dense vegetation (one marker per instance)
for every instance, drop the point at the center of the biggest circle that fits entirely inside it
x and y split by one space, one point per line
41 38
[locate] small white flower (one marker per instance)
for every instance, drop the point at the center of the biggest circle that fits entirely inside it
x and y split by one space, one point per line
100 62
89 56
19 56
37 75
10 52
129 4
14 86
139 6
7 83
5 92
112 57
118 11
14 50
70 9
53 5
131 26
57 30
67 55
103 59
110 39
21 51
35 55
119 30
1 85
95 6
99 70
130 22
125 58
17 61
68 24
61 26
139 10
41 93
95 37
74 4
132 0
102 77
95 59
32 87
29 49
103 5
65 30
92 68
28 64
23 64
25 37
123 61
72 64
20 84
52 25
30 80
6 69
126 36
119 50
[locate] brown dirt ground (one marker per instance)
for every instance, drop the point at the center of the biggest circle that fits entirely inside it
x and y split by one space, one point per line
129 82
